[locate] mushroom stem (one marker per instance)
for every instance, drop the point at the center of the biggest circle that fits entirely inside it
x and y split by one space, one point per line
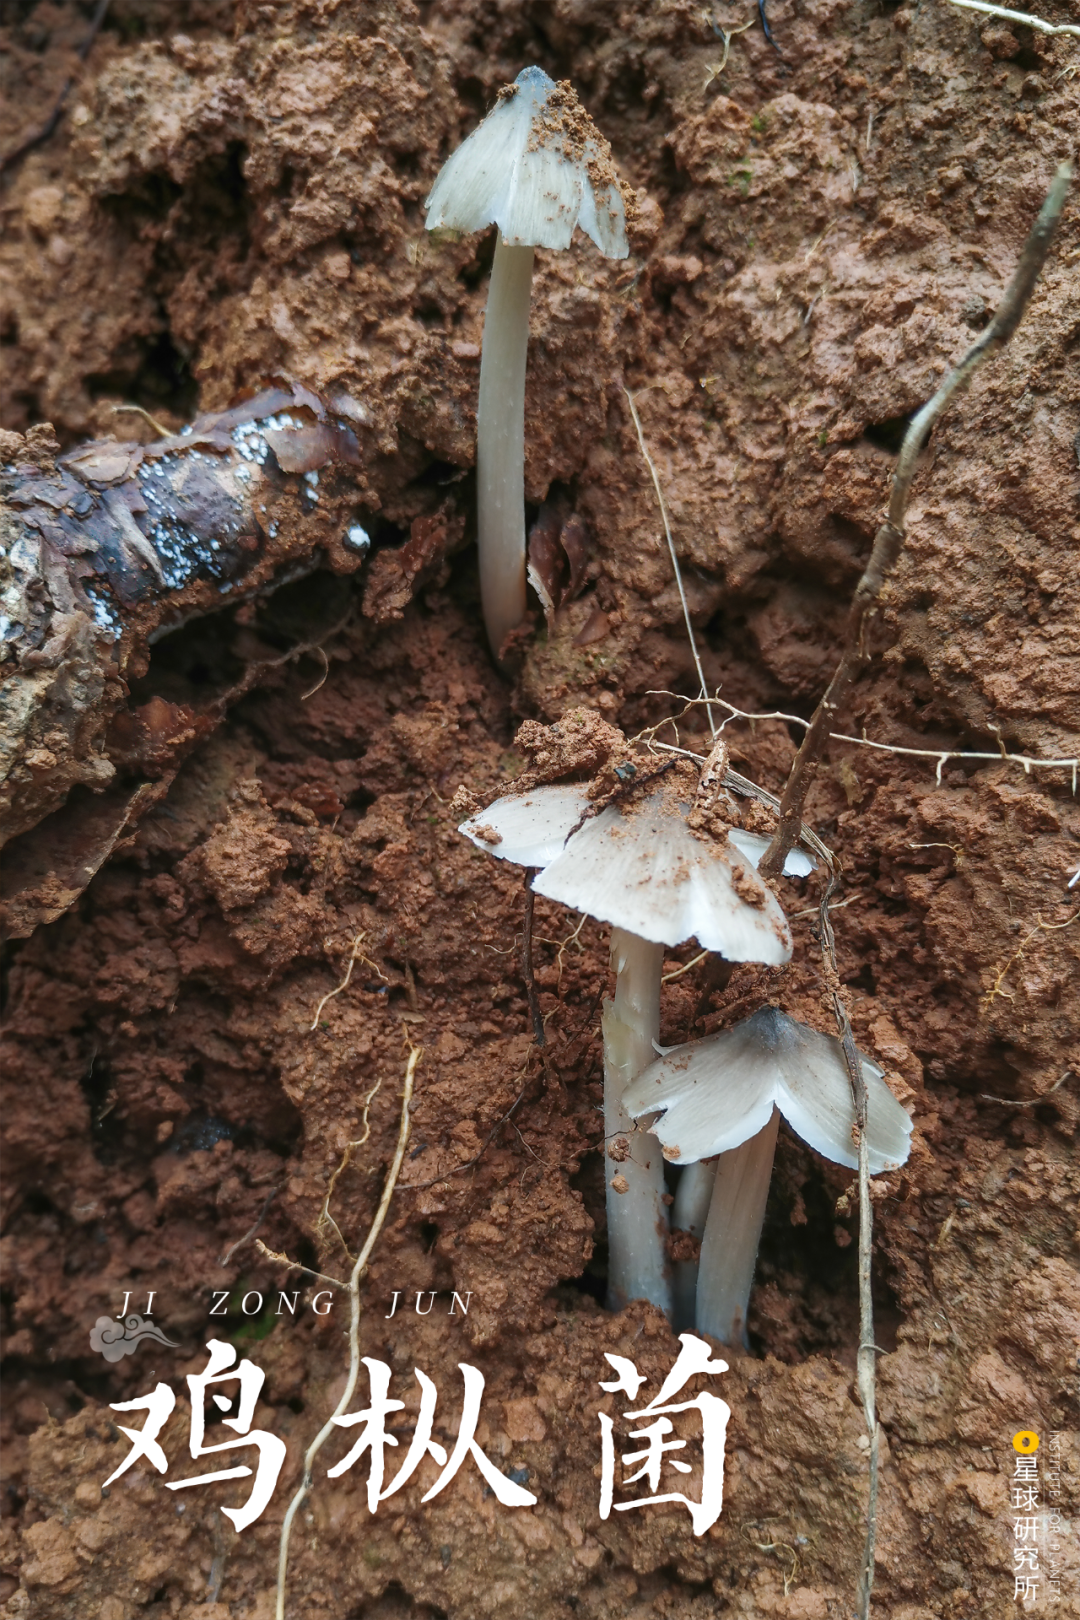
637 1218
500 443
732 1234
688 1214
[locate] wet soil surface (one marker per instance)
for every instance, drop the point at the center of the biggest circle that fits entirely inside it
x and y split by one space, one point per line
235 196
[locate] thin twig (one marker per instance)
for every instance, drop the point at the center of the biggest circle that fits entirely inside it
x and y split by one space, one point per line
751 790
247 1237
1027 1102
1019 17
44 130
889 540
296 1265
674 559
867 1353
527 963
415 1054
1030 762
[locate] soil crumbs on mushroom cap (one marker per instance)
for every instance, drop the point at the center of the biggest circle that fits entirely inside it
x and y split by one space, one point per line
583 742
564 124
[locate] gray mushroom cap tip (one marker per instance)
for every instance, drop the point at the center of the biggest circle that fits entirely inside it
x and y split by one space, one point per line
535 167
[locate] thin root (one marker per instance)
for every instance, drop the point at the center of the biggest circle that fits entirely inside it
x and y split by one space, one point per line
317 652
415 1054
137 410
561 946
325 1218
1028 1102
247 1237
713 70
1029 762
671 549
774 1546
355 956
866 1361
1040 927
677 973
1023 17
296 1265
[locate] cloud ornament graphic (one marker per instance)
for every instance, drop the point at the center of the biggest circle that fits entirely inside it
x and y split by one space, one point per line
116 1339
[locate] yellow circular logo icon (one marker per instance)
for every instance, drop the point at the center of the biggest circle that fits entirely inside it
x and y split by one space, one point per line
1025 1441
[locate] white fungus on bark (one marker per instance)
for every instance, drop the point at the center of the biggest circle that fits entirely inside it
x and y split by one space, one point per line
536 167
638 866
724 1096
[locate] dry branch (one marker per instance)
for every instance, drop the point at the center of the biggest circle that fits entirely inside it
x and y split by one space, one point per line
889 540
108 547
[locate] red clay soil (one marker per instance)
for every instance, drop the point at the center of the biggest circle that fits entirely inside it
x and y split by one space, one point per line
235 194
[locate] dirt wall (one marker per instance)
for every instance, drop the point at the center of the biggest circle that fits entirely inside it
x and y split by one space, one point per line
235 195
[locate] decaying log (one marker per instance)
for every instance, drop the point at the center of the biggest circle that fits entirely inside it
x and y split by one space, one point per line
104 550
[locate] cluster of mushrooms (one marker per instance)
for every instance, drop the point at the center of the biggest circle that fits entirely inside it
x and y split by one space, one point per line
659 853
662 854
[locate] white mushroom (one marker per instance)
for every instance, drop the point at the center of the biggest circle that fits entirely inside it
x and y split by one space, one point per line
536 167
724 1095
638 866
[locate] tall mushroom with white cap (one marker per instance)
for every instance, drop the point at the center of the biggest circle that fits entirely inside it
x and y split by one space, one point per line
536 167
724 1095
639 866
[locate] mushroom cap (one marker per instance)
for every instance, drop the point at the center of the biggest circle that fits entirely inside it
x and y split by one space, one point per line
639 867
532 828
528 829
719 1092
536 167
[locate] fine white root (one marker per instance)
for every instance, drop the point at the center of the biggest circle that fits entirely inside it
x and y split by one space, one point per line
1018 17
355 1279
